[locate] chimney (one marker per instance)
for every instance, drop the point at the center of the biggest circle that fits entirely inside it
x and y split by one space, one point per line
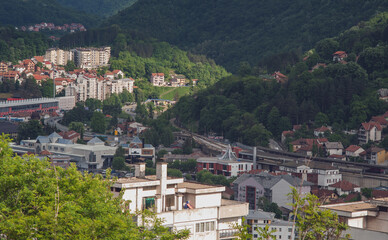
140 170
254 158
161 171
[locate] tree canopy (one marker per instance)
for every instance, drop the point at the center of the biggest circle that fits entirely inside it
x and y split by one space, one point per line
40 201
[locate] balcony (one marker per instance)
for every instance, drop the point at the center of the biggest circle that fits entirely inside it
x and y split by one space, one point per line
229 233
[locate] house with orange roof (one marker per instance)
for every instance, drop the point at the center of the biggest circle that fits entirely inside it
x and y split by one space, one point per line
344 187
322 130
380 119
38 59
157 79
29 65
280 77
339 56
286 134
369 132
354 151
118 74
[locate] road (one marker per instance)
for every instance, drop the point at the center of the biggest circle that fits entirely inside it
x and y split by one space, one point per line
54 122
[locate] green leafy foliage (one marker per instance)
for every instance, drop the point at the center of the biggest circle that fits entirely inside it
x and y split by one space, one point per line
220 30
207 177
99 7
16 45
44 202
313 222
20 12
29 130
248 109
98 123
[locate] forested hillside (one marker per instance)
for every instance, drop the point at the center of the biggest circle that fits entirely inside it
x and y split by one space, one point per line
21 12
16 45
98 7
342 94
230 31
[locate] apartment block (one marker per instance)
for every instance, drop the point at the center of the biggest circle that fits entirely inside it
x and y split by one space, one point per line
182 205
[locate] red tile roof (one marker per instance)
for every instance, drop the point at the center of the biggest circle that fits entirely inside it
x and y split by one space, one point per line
322 129
39 58
339 53
344 185
380 119
368 126
352 148
157 74
45 153
69 134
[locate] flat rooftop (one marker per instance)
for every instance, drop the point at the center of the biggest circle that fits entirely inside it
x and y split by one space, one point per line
192 185
27 102
351 207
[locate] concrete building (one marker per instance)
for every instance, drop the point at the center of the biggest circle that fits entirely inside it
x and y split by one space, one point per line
344 187
366 219
93 155
40 105
90 86
157 79
259 219
138 151
334 148
369 132
83 57
91 57
182 205
66 103
250 187
318 173
227 164
58 56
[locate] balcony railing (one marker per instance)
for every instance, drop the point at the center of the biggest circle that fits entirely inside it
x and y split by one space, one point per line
227 233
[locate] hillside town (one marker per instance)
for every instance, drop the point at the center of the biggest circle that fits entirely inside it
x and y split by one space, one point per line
72 27
251 182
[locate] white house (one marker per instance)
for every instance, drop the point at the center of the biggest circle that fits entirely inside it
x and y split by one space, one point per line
259 219
370 131
182 205
334 148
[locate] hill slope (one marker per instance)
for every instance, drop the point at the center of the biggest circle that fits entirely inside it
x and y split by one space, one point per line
22 12
230 31
98 7
340 94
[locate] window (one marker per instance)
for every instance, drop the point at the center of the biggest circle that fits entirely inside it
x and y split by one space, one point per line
204 227
254 235
280 236
289 229
289 236
280 229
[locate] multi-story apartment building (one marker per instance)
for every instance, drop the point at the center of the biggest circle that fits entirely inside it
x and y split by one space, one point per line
91 57
259 219
91 86
58 56
182 205
82 57
369 132
251 187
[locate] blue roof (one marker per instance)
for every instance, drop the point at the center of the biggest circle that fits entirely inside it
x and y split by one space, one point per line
125 145
42 139
136 140
148 146
64 141
54 135
95 140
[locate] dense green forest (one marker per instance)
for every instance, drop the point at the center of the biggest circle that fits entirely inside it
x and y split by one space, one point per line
98 7
16 45
249 109
21 12
230 31
138 58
